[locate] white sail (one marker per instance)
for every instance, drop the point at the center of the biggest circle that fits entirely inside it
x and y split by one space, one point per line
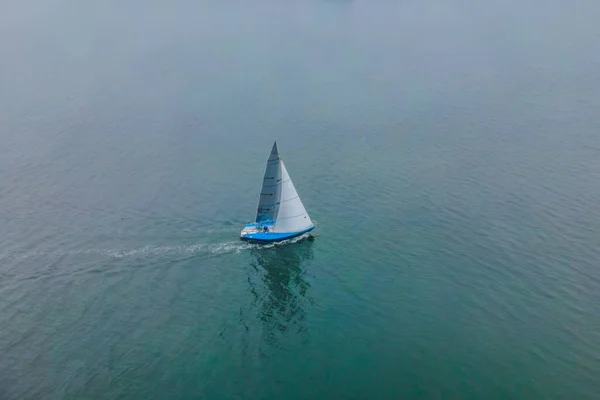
270 193
292 216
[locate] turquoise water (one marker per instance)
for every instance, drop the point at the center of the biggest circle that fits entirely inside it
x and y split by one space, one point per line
449 153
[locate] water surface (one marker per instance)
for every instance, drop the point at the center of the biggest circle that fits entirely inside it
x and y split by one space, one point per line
449 152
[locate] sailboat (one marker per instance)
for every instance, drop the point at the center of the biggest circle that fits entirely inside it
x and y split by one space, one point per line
281 214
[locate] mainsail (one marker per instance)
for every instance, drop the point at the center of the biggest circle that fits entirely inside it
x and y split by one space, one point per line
270 194
292 216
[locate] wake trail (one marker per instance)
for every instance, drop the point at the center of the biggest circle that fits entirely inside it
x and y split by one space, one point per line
207 249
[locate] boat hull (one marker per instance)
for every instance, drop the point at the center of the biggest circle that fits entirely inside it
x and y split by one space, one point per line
271 237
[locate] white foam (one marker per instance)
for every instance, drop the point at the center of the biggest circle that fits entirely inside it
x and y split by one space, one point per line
287 241
165 250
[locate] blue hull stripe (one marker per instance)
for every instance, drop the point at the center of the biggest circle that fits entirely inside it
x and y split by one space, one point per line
262 237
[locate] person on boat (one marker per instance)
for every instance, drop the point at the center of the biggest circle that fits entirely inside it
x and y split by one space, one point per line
266 229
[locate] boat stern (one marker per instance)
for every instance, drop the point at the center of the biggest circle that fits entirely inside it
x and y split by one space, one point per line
248 231
255 232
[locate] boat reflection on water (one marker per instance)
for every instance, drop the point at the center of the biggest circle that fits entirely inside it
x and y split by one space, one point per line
279 289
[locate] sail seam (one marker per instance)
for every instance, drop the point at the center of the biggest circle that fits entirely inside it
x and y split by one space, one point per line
283 201
295 216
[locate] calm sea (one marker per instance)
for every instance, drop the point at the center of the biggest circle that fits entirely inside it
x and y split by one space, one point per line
448 150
